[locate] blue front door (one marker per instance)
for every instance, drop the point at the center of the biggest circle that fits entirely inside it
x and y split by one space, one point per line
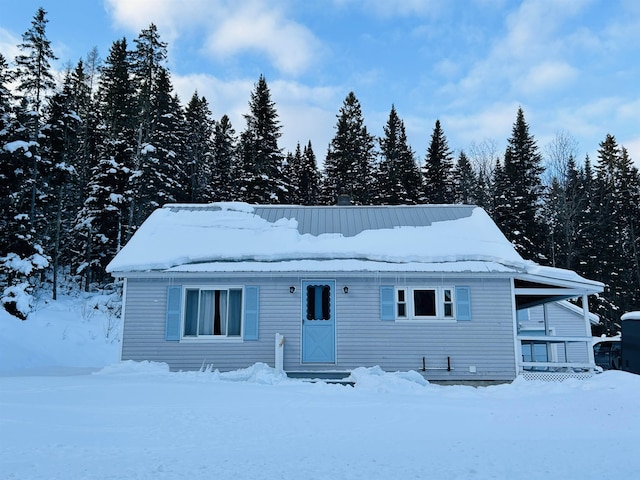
318 322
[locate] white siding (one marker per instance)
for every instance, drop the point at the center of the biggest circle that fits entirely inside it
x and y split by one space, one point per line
363 339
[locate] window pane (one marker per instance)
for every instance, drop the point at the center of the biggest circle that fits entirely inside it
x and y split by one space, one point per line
448 310
318 302
424 303
221 313
311 302
402 310
326 302
539 352
401 295
191 313
235 313
207 307
447 295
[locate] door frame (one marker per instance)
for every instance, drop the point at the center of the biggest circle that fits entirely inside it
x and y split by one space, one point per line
332 326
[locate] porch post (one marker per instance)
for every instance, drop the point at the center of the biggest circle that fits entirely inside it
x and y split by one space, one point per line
547 331
587 323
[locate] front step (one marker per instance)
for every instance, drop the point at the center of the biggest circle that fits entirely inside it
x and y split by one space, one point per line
324 376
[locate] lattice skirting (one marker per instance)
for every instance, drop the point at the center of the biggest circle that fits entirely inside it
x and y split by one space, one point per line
555 376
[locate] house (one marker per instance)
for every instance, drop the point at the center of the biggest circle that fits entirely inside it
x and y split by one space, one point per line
432 288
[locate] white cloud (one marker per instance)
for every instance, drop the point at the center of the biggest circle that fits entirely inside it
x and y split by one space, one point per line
493 122
305 113
548 75
532 56
9 45
231 27
633 147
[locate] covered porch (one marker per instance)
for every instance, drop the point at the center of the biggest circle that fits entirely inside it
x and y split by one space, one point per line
553 346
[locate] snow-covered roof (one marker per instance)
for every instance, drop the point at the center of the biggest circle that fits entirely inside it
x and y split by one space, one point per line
232 236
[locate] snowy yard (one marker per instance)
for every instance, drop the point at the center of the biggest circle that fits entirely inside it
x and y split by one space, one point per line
60 420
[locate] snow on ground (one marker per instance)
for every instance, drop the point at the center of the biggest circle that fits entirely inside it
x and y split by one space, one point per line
68 410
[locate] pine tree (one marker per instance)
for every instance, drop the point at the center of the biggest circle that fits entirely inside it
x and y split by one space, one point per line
438 169
34 79
33 68
348 167
20 253
301 174
62 139
466 182
615 241
262 158
291 173
160 170
198 149
101 221
153 89
520 196
399 181
309 177
226 173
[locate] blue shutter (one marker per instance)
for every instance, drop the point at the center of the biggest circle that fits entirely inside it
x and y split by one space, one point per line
251 307
174 313
463 303
387 303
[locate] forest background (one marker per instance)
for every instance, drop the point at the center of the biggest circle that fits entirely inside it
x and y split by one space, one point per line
84 161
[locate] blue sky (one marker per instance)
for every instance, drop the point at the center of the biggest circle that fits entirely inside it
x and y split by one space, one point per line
573 65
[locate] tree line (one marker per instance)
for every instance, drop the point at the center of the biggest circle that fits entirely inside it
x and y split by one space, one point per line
84 161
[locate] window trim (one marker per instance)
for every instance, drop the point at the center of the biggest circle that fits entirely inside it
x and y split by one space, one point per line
212 338
439 306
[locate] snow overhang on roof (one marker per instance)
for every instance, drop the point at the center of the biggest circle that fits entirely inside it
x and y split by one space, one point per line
236 236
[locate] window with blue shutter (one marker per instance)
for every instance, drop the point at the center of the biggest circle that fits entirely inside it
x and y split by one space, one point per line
387 303
463 303
251 311
174 313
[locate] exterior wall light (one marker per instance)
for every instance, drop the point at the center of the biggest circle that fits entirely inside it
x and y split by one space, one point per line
292 289
345 289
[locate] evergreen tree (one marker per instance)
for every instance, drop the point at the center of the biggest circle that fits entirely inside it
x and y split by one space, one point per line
160 170
33 67
102 219
291 173
521 194
399 181
615 241
147 61
302 176
62 139
466 182
226 174
21 253
34 79
153 90
198 149
262 159
308 178
348 167
438 169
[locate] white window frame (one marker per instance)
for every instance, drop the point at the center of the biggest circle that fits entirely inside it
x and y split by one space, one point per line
217 338
440 306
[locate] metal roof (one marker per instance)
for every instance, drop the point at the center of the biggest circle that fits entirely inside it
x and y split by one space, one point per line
352 220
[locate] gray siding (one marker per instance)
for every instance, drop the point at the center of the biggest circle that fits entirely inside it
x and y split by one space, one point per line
362 338
565 323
